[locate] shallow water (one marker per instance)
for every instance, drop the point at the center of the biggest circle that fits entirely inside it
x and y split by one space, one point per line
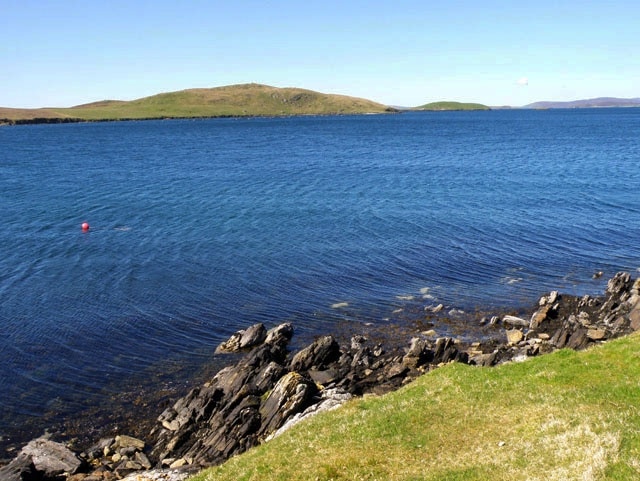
200 228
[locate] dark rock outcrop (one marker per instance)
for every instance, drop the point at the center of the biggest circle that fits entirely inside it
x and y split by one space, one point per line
225 416
246 403
562 321
245 339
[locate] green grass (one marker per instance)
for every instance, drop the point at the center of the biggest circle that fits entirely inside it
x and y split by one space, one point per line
234 100
564 416
452 106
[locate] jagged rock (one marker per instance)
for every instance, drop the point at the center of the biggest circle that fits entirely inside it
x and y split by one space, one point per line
483 359
540 316
514 336
324 377
358 342
579 339
20 469
362 357
596 334
318 355
396 370
634 317
550 299
329 399
51 458
268 376
222 418
621 281
290 396
192 408
123 442
248 401
418 354
244 339
515 321
446 351
143 460
279 334
178 463
101 448
559 339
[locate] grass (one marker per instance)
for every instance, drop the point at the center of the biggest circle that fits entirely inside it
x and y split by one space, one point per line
452 106
234 100
564 416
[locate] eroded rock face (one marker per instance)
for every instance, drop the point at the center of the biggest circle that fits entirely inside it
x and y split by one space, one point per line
291 395
226 416
246 403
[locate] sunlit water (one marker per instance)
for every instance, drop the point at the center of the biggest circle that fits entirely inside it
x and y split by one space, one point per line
200 228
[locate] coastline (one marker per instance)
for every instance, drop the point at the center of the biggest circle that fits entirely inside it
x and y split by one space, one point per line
364 365
77 120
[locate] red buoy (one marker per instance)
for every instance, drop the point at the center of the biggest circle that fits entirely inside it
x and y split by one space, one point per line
85 226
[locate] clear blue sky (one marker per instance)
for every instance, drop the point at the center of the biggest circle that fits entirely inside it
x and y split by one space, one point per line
401 52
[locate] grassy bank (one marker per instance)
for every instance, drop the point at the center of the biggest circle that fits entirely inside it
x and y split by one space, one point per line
564 416
437 106
233 100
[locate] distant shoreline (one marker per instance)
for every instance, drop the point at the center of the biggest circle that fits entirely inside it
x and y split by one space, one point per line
71 120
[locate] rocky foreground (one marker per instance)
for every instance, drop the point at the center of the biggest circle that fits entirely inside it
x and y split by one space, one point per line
270 389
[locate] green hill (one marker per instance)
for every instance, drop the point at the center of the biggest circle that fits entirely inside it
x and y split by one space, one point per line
437 106
234 100
563 416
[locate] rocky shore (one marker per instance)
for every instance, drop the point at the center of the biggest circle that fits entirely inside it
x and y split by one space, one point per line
270 388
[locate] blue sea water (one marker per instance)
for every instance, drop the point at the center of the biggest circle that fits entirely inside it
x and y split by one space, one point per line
203 227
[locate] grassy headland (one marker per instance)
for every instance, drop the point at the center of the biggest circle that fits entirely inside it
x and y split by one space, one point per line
564 416
234 100
451 106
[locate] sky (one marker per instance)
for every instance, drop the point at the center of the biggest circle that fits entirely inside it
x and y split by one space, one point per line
403 52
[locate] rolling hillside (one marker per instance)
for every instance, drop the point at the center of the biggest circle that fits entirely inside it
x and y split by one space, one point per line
233 100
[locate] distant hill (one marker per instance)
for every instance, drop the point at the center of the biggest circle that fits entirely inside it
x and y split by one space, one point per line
234 100
587 103
437 106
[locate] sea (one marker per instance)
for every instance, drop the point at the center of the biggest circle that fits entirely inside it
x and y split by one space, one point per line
199 228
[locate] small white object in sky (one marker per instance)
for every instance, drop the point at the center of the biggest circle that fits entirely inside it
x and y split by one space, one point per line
523 81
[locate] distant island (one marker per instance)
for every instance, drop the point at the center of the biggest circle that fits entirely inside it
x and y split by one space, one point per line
600 102
440 106
244 100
